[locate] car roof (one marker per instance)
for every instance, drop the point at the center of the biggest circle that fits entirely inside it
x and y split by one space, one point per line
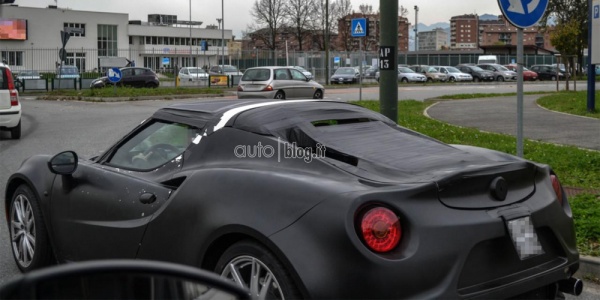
260 116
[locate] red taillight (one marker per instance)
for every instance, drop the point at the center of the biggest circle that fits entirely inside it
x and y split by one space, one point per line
240 89
14 97
268 88
381 229
557 188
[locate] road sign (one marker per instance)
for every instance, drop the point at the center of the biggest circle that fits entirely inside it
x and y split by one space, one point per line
336 60
64 37
387 59
203 46
595 44
165 61
358 27
114 75
523 13
62 54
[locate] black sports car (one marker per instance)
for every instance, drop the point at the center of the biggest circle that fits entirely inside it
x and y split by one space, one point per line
311 199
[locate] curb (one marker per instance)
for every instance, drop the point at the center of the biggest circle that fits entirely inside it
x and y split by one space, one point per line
589 268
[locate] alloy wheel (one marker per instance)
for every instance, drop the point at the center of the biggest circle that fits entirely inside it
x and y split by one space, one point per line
251 273
22 230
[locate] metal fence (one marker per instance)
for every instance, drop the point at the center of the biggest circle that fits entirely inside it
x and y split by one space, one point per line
46 61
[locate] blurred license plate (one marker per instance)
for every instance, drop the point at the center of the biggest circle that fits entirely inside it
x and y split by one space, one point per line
524 237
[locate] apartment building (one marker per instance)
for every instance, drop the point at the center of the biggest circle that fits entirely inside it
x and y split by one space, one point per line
436 39
464 32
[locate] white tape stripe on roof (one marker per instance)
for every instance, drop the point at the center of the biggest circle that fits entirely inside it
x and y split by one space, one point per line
233 112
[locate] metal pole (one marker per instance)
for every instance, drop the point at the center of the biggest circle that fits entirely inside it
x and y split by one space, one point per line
326 41
189 64
360 69
591 71
520 92
223 36
388 87
416 28
287 62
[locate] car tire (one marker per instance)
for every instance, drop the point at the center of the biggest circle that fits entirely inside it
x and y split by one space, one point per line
452 79
404 80
279 95
318 94
15 132
429 80
476 79
150 85
247 256
27 225
499 78
553 78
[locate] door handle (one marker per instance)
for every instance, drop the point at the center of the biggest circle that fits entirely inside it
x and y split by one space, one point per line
147 198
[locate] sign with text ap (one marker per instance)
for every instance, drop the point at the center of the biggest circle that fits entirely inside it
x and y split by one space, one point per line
595 44
387 58
358 27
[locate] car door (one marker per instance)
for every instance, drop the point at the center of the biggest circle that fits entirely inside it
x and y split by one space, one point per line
303 88
282 81
126 77
103 208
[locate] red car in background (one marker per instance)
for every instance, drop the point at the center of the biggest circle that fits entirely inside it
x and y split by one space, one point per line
527 74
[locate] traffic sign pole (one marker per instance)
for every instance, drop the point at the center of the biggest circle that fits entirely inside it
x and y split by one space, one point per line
521 14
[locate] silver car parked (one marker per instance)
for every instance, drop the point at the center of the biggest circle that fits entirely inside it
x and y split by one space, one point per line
278 83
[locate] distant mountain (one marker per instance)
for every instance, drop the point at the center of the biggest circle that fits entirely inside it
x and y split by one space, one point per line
423 27
488 17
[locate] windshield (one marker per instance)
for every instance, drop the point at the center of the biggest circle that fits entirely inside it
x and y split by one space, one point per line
345 71
230 69
257 75
502 68
29 73
453 70
477 69
301 69
69 70
432 70
405 70
196 70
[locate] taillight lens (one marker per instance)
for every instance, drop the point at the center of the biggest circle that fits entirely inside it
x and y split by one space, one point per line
268 88
381 230
14 97
557 188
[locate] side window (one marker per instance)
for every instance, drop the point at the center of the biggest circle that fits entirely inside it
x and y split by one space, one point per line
297 75
127 72
281 74
156 144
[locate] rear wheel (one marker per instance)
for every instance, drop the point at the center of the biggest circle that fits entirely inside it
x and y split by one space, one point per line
553 78
452 79
252 266
318 94
476 79
429 80
28 235
15 132
150 85
279 95
500 78
404 80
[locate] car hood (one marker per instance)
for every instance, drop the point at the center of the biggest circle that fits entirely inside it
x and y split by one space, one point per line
343 76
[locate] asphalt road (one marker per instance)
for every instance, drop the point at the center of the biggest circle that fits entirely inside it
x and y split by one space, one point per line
89 128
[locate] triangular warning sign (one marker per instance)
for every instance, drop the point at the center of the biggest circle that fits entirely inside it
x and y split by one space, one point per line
358 29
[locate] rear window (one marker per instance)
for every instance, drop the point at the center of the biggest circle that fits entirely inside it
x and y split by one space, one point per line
3 78
257 75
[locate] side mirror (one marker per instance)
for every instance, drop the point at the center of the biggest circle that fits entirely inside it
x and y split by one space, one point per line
122 279
64 163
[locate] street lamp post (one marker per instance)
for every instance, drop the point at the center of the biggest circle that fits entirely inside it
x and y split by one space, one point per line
219 20
223 36
416 28
189 64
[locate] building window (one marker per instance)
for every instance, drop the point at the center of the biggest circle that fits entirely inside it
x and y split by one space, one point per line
75 29
107 40
76 59
13 58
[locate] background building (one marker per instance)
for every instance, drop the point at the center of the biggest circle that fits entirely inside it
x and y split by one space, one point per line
346 42
436 39
161 42
464 32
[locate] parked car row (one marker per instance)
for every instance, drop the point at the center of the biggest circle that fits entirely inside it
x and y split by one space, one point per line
10 107
278 83
477 73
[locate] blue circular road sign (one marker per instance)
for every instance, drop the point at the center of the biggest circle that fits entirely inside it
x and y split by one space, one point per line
523 13
114 75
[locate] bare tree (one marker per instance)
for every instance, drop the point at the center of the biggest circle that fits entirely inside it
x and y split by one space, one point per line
299 14
365 9
268 16
402 11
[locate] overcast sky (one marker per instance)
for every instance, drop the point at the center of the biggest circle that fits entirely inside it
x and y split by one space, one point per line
237 12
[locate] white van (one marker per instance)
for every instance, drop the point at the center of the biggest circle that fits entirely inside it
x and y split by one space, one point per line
487 59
